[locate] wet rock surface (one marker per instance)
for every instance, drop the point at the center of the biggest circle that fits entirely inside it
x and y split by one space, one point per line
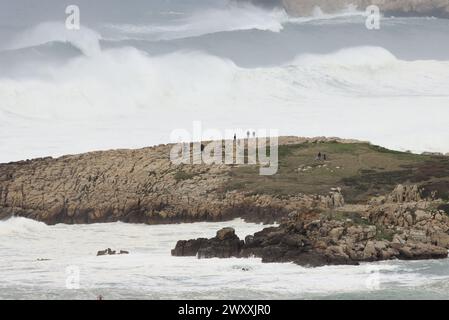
110 252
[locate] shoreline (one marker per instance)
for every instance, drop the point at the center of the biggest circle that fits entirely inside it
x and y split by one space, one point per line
360 204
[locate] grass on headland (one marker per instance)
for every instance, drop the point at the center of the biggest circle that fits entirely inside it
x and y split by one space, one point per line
360 169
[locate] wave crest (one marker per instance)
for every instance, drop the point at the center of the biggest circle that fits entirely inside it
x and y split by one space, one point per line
21 226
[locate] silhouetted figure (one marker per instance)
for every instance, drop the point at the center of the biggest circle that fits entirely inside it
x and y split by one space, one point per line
247 134
254 134
324 157
318 157
235 137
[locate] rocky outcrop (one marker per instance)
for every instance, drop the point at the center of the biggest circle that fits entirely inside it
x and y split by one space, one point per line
324 242
312 243
334 199
438 8
407 193
412 218
226 244
400 225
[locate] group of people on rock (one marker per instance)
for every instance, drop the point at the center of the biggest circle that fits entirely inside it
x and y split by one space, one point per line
321 156
247 135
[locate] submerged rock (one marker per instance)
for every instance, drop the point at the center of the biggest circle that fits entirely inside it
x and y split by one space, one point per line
108 251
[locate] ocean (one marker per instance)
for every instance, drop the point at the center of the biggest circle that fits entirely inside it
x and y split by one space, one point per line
136 71
60 262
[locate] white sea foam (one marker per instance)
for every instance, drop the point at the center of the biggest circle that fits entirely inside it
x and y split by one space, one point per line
150 272
127 98
232 17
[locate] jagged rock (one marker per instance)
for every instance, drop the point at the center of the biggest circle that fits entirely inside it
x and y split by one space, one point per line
334 199
370 252
225 233
440 239
336 233
421 215
420 251
226 244
188 247
405 193
418 218
403 227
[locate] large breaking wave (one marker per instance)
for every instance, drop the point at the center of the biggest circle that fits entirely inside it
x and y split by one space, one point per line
64 92
120 81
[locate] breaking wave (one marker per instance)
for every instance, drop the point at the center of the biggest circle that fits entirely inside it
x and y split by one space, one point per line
125 80
233 17
22 227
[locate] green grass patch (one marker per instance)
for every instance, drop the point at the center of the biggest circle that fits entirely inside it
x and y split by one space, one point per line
360 169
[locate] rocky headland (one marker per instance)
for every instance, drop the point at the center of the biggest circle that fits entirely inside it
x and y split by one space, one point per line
138 186
361 203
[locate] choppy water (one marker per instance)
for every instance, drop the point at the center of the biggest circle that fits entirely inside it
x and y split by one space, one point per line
150 272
